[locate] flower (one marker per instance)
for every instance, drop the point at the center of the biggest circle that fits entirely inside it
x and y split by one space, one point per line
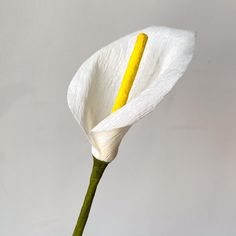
93 89
106 103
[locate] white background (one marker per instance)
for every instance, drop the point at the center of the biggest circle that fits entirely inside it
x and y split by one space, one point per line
175 174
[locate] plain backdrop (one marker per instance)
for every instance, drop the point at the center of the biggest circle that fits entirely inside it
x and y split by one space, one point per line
175 174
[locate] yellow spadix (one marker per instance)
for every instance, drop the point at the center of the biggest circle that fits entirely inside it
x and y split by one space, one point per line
130 72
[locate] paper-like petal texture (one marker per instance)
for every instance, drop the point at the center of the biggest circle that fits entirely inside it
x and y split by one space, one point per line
93 89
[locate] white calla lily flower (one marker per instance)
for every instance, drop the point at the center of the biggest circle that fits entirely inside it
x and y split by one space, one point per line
112 90
93 89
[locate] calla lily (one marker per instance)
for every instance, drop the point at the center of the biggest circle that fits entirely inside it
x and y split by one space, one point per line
95 86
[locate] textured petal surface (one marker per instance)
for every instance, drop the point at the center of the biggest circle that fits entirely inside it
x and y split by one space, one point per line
93 89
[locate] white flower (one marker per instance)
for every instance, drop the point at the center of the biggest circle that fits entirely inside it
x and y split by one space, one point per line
93 89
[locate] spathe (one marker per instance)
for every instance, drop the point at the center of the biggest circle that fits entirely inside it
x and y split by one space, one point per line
94 87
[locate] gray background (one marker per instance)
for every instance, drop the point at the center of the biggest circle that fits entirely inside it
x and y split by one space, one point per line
175 172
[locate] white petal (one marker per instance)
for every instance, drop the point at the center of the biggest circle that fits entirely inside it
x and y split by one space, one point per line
93 89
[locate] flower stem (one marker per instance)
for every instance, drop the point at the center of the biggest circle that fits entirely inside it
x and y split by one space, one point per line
97 172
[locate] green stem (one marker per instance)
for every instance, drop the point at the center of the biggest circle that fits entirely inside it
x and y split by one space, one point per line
97 172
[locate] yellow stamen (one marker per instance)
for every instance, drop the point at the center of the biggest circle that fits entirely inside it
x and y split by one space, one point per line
130 72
